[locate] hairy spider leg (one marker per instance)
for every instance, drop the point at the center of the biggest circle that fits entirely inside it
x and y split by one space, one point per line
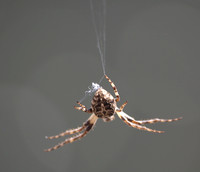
151 121
114 88
129 121
148 121
69 140
67 132
88 125
83 108
123 105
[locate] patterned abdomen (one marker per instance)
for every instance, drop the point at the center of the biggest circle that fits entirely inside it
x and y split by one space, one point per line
103 105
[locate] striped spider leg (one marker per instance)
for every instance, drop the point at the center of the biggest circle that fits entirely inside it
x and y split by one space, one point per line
139 124
87 126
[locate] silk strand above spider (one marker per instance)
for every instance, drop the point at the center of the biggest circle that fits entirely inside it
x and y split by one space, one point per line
104 105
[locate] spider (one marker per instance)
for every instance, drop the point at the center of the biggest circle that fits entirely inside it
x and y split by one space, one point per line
104 105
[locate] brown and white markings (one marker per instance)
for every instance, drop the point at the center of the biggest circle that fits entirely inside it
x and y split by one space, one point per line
104 106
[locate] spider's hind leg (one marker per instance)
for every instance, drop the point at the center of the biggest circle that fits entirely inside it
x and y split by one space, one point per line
87 126
75 130
67 132
133 123
127 117
155 120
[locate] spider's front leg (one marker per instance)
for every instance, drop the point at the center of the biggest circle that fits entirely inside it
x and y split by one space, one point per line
83 108
114 88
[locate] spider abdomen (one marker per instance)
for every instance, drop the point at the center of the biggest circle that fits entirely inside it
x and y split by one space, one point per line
103 105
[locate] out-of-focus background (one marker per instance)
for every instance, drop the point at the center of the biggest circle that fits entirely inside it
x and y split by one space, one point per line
48 58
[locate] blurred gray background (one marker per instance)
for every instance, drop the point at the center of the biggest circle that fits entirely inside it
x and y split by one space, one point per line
48 58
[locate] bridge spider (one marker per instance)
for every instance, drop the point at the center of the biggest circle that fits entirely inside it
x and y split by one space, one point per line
104 106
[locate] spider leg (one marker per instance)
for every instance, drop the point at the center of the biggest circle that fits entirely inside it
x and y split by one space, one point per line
114 88
148 121
122 106
67 132
69 140
83 108
151 121
130 119
123 116
88 125
75 130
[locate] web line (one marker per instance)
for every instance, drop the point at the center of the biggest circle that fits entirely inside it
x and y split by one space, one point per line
98 10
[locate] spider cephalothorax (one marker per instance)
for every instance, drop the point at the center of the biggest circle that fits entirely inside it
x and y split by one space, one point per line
104 106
